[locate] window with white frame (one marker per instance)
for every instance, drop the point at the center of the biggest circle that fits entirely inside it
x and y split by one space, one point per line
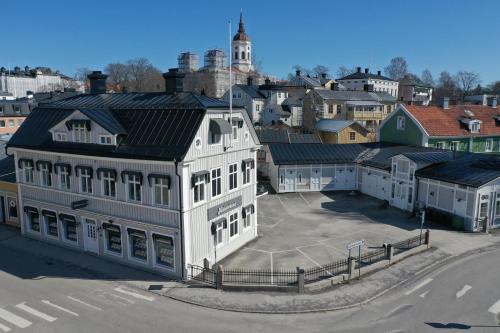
219 229
352 136
51 227
214 138
401 123
108 183
80 133
216 182
138 244
247 216
235 132
45 174
113 238
106 139
440 145
233 176
86 180
59 136
164 251
475 126
64 177
134 187
488 145
199 188
233 225
247 172
70 228
33 218
161 191
454 145
27 167
11 123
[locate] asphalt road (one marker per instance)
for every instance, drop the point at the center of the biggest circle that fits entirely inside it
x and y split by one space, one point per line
41 296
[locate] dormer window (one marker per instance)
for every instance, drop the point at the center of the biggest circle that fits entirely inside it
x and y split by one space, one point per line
475 126
106 139
80 129
60 136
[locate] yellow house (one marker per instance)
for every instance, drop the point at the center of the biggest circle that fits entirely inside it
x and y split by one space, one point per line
343 131
9 211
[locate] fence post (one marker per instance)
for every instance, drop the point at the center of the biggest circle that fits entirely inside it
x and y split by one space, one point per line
428 238
352 267
390 252
300 280
220 277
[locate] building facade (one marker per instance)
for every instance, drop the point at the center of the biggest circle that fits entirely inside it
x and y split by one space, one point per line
366 81
343 131
467 128
156 181
9 211
413 91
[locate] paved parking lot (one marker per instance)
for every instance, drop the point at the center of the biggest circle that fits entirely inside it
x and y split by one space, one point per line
312 229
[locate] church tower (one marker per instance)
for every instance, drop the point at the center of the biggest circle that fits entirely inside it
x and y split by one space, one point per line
242 49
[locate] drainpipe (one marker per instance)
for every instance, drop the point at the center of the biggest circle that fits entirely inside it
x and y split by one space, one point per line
181 222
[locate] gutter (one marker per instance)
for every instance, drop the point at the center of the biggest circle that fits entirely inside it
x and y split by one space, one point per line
181 222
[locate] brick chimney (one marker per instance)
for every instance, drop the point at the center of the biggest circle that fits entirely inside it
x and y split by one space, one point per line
367 70
173 81
97 82
358 69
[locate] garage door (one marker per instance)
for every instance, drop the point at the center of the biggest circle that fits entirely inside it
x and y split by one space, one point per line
374 185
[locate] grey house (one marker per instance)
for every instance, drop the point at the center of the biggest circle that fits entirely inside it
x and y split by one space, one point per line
158 181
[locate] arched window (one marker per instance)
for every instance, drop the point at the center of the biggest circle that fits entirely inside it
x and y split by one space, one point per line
243 55
236 55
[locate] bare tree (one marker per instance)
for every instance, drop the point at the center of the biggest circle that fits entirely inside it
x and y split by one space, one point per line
446 86
81 75
397 69
427 77
320 70
495 88
118 75
344 71
466 81
257 63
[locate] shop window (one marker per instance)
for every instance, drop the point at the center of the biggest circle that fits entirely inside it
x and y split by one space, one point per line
70 231
113 237
164 251
50 220
33 218
138 244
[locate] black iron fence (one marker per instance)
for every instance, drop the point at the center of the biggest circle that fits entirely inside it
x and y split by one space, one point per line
327 271
372 257
203 275
260 277
408 244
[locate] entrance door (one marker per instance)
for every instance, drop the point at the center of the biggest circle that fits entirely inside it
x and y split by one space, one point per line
90 239
400 192
290 181
484 207
315 178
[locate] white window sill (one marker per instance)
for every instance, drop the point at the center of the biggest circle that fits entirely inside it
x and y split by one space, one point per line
112 253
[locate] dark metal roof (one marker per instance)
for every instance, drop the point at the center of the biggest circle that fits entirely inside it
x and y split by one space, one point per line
158 126
362 75
105 118
433 156
472 170
268 135
8 169
304 138
7 108
252 91
302 153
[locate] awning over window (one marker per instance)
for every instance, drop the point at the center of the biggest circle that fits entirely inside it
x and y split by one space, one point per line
49 213
220 126
196 176
213 226
250 209
80 168
111 227
31 210
25 161
72 122
136 233
153 176
237 121
126 173
166 239
249 161
67 218
99 172
46 164
60 166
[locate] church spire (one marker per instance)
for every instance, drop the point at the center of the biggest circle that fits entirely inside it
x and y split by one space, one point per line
242 25
241 34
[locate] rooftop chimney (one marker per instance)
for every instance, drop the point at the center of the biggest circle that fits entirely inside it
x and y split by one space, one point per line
493 102
173 81
250 81
267 81
445 103
323 75
358 69
97 82
367 70
379 73
297 73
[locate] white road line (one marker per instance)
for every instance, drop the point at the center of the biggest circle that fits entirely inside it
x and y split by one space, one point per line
313 261
307 202
495 308
133 294
14 319
59 308
35 312
84 303
418 286
4 328
462 292
129 301
424 294
281 202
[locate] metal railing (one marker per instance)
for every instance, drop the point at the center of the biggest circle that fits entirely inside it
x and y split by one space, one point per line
372 257
203 275
260 277
327 271
408 244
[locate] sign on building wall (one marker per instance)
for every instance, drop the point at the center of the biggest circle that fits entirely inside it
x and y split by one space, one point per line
223 208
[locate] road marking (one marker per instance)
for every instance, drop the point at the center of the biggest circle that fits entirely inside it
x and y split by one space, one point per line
495 308
313 261
424 294
35 312
84 303
14 319
418 286
462 292
307 202
133 294
281 202
59 308
4 328
129 301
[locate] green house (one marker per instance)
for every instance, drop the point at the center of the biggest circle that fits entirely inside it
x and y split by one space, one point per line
469 128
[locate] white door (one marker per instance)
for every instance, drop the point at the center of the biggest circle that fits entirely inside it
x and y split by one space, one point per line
315 178
460 206
484 207
290 181
340 178
400 192
91 240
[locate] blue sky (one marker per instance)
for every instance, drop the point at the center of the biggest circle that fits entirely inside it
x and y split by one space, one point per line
438 35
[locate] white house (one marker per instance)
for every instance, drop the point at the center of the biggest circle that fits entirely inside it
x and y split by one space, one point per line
369 82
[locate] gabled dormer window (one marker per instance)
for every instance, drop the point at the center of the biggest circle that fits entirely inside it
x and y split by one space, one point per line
80 129
475 126
106 139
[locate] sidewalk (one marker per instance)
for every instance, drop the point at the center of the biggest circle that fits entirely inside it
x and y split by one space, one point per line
339 297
